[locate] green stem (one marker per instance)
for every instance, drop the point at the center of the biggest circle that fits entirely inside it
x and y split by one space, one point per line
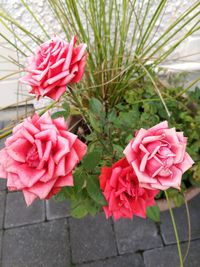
189 228
175 230
79 105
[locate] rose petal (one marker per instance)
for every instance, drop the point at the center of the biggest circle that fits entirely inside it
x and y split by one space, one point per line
29 197
186 163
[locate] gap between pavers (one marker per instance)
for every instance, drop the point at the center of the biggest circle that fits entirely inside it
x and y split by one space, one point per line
2 207
168 256
91 239
137 234
18 214
134 260
180 215
43 244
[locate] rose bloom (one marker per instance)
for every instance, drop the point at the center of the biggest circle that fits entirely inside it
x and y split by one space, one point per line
55 64
40 156
122 192
158 156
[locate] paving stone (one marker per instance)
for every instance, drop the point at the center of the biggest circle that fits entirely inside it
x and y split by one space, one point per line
181 221
2 207
133 260
92 238
41 245
168 256
55 209
136 234
17 213
2 184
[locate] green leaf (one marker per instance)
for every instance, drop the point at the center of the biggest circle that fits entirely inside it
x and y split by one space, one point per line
153 213
58 114
194 182
178 200
66 107
93 189
91 206
176 196
96 106
78 181
64 193
78 210
91 160
94 123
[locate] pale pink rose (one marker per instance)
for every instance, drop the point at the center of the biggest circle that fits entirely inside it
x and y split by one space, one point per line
55 64
40 156
125 198
158 156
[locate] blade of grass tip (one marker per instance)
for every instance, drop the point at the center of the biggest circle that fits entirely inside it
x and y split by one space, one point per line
188 87
141 25
35 18
13 44
156 88
157 28
8 18
171 49
175 230
151 24
57 15
74 12
171 27
189 228
10 75
16 35
12 60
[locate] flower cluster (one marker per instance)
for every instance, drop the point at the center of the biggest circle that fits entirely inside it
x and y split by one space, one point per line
41 155
155 159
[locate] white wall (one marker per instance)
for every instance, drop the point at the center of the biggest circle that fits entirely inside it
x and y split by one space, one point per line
9 88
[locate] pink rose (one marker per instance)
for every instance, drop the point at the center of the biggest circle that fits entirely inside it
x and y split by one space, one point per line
122 192
158 156
40 156
55 64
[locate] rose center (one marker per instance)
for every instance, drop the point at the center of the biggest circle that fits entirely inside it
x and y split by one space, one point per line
32 157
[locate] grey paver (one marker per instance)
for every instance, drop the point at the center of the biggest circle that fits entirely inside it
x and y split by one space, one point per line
2 207
55 209
136 234
17 213
168 256
41 245
92 238
3 184
133 260
181 221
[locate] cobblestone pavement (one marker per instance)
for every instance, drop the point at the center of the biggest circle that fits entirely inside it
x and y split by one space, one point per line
44 235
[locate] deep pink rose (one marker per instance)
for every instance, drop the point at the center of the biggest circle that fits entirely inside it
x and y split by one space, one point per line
39 157
122 192
55 64
158 156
